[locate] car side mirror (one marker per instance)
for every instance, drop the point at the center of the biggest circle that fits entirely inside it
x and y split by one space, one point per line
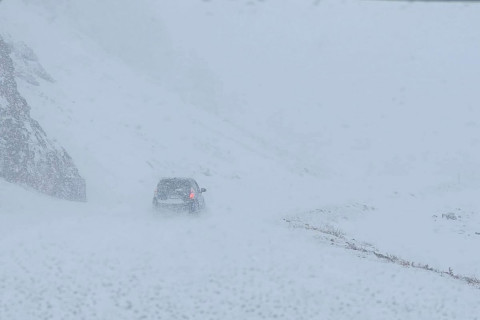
203 190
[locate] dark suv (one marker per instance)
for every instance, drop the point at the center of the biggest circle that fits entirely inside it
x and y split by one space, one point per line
178 194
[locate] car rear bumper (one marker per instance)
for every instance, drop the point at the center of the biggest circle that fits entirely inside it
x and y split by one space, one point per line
165 205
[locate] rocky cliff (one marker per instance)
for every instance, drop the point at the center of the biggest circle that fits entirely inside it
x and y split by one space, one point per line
27 156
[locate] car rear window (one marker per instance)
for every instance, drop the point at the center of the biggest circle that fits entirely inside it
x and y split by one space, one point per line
174 187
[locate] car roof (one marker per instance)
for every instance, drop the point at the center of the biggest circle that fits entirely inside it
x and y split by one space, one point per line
177 179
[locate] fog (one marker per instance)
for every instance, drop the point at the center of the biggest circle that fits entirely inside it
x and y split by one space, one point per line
327 134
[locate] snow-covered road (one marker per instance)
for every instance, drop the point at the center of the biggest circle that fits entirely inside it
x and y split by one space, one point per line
78 261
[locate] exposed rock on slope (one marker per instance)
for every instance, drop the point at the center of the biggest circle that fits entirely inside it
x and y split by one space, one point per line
27 156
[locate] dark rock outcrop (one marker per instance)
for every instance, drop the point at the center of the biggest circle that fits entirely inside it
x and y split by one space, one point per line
27 156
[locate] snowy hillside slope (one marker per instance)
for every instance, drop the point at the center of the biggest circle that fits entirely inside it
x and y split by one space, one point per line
162 136
355 116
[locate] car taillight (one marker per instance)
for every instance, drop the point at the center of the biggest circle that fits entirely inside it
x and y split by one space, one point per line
192 194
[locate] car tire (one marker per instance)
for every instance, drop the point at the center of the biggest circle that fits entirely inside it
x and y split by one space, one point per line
194 207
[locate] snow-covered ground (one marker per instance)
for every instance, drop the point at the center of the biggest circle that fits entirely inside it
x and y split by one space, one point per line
358 117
